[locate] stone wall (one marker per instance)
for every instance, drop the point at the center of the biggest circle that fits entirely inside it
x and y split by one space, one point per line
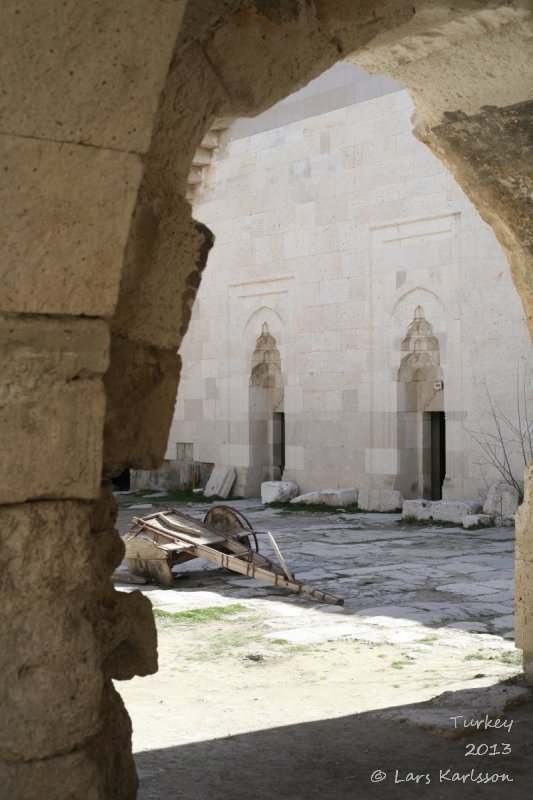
333 230
104 107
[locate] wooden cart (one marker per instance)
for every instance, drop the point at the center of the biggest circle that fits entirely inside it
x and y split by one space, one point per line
161 540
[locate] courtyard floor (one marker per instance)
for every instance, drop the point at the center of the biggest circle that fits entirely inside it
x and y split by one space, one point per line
261 693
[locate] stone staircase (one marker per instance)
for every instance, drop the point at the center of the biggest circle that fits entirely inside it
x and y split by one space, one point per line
203 157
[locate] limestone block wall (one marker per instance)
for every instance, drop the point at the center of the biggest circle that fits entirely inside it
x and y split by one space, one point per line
333 229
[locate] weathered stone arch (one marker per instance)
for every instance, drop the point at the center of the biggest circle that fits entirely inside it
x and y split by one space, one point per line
106 105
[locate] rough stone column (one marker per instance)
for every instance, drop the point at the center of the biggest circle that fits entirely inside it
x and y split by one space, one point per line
80 87
524 576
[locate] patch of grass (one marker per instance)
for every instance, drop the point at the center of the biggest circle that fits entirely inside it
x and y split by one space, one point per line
480 526
320 508
436 523
513 657
289 646
400 664
479 656
209 614
300 648
431 639
172 497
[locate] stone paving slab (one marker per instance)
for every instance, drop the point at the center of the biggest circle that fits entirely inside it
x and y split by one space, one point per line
445 578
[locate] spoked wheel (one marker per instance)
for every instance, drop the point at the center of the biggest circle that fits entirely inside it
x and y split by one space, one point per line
224 519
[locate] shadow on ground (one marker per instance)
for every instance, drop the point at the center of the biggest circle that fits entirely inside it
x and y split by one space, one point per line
334 759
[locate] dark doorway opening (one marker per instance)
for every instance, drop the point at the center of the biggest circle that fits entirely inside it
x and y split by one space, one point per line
278 441
121 483
438 453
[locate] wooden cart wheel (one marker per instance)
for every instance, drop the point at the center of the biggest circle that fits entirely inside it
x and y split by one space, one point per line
224 519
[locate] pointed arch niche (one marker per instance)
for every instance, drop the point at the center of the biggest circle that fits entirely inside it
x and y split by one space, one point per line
266 413
421 421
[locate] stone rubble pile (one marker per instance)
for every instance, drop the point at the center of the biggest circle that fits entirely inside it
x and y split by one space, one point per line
468 513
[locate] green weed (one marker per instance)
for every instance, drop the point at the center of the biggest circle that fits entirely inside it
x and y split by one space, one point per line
209 614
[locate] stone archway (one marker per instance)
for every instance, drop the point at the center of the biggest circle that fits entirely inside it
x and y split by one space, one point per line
105 108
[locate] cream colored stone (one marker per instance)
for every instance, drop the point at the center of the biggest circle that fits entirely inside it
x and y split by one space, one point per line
478 520
439 510
220 481
379 500
394 258
66 210
309 498
51 407
278 491
524 604
338 497
50 659
86 73
502 500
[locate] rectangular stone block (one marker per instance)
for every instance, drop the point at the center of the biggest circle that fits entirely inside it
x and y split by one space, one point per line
524 604
307 499
379 500
278 491
90 72
338 497
477 520
66 212
49 659
440 510
220 481
51 407
502 500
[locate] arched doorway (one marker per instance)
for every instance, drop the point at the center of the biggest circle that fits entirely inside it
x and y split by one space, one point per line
266 413
421 419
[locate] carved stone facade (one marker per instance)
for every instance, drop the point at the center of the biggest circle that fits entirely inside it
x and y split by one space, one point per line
393 312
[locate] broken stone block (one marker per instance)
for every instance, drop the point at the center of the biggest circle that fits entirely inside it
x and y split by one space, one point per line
220 481
278 491
505 522
338 497
141 385
379 500
440 510
502 500
310 498
478 520
52 407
